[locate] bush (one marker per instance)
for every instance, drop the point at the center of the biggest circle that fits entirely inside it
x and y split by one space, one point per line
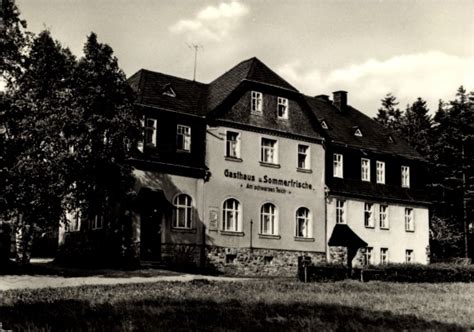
419 273
433 273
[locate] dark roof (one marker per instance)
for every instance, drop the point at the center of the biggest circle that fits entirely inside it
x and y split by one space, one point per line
253 70
342 126
373 190
342 235
190 95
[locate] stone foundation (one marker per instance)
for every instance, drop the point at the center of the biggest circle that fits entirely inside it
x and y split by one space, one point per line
258 262
338 255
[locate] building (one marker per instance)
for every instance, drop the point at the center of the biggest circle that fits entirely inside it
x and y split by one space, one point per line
247 175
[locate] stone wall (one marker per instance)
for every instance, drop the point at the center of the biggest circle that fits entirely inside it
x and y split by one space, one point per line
258 262
338 255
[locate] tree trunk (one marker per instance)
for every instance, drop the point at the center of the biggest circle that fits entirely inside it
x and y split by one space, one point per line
24 243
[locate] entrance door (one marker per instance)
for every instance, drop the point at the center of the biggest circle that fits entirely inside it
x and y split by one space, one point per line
150 235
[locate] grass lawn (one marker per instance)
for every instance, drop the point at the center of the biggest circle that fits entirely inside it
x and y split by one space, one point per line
252 305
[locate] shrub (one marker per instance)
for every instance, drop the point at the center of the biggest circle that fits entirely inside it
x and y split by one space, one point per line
323 272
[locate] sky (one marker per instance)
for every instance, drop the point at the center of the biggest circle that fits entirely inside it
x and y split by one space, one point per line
368 48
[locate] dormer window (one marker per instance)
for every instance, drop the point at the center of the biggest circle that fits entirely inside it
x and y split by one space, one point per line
390 139
256 102
324 125
357 132
282 108
168 91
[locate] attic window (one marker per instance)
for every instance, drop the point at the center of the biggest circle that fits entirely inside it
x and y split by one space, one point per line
324 125
168 91
390 139
358 133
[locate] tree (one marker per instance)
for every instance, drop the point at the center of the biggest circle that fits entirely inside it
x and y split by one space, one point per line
38 105
415 126
389 115
13 40
101 130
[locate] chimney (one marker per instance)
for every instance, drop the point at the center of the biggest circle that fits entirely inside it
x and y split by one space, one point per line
322 97
340 100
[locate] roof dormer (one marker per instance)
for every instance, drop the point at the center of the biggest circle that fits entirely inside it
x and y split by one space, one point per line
357 131
168 91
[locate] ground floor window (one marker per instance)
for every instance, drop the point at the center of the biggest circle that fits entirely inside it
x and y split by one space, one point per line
269 219
303 222
409 256
231 214
183 211
367 258
383 256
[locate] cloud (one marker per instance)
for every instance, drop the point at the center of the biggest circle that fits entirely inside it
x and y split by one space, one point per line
212 23
431 75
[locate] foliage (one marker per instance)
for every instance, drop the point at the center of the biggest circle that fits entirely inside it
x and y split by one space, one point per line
389 114
13 40
247 305
415 126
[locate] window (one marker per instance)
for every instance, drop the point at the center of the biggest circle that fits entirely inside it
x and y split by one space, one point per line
183 211
303 156
358 133
324 125
282 108
337 165
383 217
232 148
365 169
150 132
183 138
383 256
409 222
269 219
367 258
98 222
380 172
231 215
340 218
269 151
73 222
405 177
409 256
256 102
368 215
303 222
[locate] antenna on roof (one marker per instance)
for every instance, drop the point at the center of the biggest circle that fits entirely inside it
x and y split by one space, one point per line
196 47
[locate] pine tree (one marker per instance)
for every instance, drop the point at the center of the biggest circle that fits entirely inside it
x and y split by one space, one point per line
389 115
415 126
39 104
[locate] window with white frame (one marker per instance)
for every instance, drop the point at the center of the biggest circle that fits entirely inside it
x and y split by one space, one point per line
365 169
340 217
256 103
73 222
380 172
231 215
409 256
367 258
405 177
269 219
368 215
183 138
269 151
383 217
383 256
232 147
98 222
409 222
183 211
337 165
282 108
150 132
303 222
303 156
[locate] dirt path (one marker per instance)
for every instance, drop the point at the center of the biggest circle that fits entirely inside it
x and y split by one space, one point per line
26 281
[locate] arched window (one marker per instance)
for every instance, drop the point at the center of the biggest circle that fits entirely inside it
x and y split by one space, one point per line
303 222
231 215
183 211
269 219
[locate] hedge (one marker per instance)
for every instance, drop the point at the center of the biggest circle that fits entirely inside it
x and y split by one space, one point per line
433 273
